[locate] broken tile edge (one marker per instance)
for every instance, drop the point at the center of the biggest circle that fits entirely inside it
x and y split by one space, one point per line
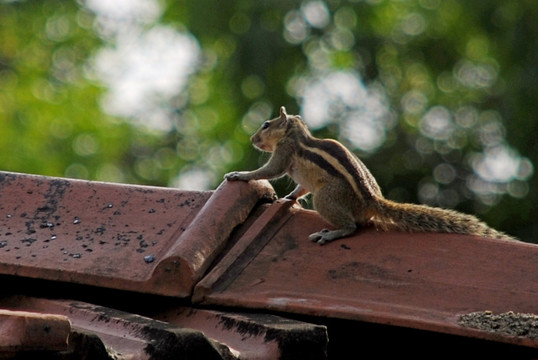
32 331
136 336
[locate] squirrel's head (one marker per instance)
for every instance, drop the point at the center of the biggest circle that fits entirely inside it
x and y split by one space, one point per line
273 131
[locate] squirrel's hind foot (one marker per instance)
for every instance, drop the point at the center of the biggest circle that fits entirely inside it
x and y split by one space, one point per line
326 235
319 237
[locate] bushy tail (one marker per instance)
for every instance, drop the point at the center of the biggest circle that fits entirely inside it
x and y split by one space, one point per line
422 218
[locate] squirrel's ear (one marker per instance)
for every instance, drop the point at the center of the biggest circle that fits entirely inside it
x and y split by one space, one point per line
283 114
283 117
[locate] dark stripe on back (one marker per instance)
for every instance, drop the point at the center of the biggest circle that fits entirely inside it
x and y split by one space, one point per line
362 176
320 161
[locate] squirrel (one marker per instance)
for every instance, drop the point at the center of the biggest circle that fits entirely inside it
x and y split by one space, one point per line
345 193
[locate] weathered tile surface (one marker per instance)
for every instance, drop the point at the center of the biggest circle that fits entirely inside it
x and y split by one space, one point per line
140 238
422 281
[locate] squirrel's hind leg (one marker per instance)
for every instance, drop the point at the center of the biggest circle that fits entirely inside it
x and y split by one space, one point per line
337 213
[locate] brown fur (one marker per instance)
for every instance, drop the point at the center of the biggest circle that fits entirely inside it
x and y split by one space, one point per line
344 191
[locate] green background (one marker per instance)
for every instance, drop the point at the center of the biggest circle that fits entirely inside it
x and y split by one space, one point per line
457 80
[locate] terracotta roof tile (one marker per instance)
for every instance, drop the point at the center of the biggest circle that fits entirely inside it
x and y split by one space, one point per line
30 331
235 251
183 332
254 336
422 281
139 238
122 334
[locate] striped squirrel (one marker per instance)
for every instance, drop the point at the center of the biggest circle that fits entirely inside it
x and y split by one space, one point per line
345 193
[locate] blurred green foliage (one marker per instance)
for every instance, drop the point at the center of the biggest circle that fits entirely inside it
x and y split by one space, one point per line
453 84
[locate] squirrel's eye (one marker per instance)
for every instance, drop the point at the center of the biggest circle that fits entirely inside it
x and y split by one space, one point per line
266 125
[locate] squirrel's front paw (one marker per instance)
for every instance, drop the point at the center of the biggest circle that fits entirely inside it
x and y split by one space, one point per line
236 175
